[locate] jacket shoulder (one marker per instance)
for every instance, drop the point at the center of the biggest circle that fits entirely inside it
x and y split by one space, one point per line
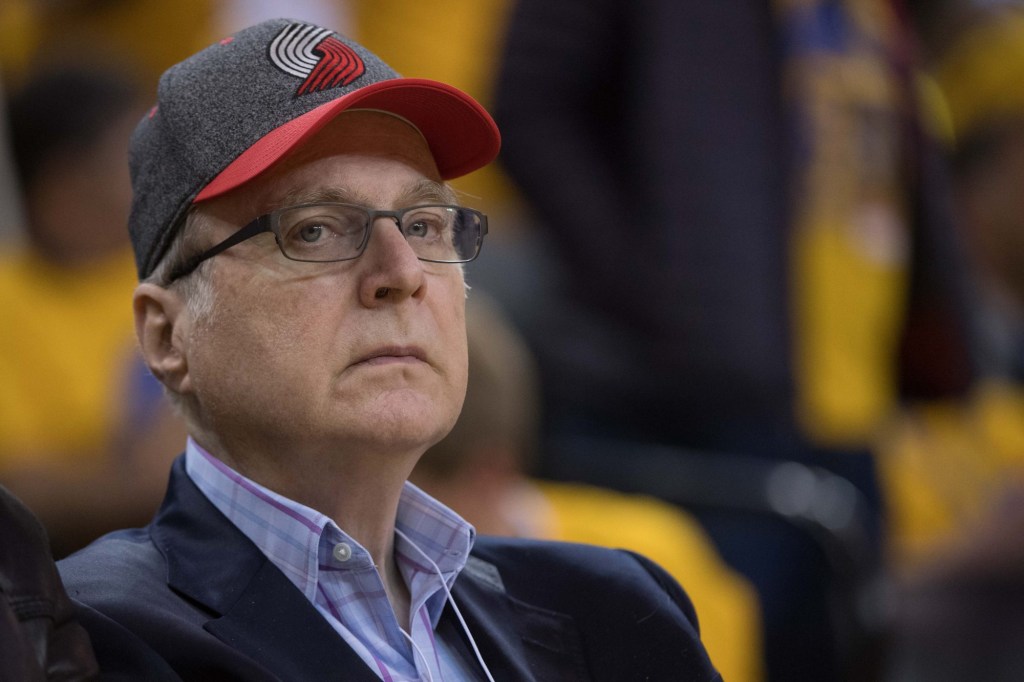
124 577
580 567
632 616
116 564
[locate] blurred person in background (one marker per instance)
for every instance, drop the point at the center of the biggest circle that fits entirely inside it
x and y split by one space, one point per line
954 470
10 205
81 419
755 247
947 461
479 469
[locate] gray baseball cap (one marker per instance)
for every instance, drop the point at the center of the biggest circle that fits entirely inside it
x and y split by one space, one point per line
229 112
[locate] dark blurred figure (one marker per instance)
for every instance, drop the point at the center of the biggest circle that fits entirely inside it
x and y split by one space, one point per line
80 419
756 260
39 637
10 206
69 128
955 470
479 470
946 462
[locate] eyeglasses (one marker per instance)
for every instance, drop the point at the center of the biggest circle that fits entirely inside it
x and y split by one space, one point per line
330 232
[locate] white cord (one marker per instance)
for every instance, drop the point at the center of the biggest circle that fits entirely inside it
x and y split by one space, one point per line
426 663
451 600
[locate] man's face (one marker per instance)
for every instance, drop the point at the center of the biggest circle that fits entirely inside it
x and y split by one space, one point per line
360 356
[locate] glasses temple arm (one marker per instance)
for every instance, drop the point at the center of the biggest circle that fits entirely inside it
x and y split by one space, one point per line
261 224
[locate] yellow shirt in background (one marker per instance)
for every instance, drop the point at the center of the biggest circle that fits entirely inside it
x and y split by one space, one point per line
67 340
944 466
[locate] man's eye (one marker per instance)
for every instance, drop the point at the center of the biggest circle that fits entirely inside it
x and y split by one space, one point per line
428 224
420 228
311 233
318 229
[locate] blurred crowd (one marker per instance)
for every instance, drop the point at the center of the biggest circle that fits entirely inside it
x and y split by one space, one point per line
752 301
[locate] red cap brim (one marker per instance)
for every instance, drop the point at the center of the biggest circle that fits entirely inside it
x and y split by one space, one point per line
461 134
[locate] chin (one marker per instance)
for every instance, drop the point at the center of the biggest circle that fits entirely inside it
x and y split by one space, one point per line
409 422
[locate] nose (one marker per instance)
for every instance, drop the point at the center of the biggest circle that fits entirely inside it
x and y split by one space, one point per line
391 270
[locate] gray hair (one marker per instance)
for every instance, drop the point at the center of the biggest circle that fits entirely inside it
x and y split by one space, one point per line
196 288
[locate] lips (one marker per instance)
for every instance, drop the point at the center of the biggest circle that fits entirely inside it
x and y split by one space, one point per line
388 354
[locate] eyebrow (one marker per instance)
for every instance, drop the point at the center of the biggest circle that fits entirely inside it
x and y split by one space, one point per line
424 190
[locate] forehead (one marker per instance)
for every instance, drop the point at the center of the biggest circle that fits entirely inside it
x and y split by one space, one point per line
367 157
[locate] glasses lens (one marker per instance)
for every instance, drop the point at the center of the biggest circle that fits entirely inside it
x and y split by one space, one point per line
333 232
322 232
446 234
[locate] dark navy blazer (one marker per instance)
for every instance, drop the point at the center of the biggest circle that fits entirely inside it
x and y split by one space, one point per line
190 597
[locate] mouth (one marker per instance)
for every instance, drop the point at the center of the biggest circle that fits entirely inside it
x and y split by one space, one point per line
392 355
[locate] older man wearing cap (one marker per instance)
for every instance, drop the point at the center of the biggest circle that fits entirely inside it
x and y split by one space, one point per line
302 301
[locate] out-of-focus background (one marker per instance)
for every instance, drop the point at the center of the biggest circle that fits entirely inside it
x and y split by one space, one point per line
751 302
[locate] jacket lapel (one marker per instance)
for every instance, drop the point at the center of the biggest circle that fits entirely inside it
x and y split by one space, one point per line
518 642
272 617
257 610
260 614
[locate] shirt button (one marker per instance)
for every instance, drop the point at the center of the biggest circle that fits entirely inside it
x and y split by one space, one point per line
342 551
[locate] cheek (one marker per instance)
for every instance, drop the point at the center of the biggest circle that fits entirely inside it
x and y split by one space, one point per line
457 342
451 320
261 332
261 363
460 344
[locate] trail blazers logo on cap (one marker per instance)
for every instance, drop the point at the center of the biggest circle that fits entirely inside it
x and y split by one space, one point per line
317 56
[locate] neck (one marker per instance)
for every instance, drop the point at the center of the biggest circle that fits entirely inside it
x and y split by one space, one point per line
366 507
397 591
360 493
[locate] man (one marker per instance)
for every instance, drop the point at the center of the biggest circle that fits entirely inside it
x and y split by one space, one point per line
312 373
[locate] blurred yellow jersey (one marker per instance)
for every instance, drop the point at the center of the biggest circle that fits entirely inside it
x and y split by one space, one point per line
65 351
945 465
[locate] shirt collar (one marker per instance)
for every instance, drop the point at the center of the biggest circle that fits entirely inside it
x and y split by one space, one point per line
290 534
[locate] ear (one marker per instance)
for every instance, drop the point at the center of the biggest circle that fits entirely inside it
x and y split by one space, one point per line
162 325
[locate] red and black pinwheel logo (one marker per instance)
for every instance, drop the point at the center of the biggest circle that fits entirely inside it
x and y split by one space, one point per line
315 55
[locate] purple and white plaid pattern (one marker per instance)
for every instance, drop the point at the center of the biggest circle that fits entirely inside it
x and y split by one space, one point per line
337 574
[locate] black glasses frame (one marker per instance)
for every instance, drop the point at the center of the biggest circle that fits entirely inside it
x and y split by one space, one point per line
270 222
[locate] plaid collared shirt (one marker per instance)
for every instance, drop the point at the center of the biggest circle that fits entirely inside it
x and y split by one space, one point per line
337 574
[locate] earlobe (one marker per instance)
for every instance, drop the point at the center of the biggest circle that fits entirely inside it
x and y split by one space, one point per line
161 325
